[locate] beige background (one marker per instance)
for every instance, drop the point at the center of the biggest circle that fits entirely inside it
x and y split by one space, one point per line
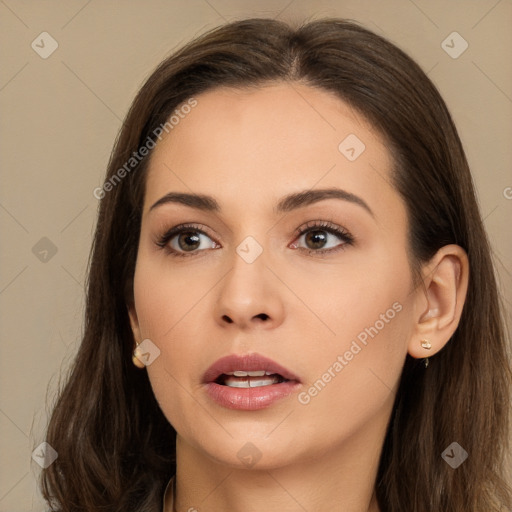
60 116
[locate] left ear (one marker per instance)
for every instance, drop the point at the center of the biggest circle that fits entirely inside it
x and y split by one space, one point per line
439 302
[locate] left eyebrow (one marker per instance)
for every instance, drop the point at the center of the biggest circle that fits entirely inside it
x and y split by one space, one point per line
286 204
307 197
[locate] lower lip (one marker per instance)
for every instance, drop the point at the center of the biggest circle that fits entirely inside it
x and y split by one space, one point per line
250 399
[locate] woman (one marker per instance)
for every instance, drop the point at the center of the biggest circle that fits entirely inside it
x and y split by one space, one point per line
291 302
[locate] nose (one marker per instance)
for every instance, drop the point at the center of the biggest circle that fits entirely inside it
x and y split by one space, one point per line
250 296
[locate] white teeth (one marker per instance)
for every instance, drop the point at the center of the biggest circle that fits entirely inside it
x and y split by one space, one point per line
236 382
258 373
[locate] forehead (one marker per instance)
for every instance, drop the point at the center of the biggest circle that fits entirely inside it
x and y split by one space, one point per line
250 144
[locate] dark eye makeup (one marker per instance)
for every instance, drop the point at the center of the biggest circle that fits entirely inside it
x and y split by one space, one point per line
315 230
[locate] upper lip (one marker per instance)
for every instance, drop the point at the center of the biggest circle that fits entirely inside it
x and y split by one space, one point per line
246 363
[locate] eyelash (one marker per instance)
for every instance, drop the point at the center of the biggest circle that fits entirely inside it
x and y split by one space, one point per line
327 226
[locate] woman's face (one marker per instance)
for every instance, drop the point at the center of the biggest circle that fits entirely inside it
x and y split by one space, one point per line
335 310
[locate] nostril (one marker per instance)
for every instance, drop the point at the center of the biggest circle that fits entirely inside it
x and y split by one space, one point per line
228 320
263 316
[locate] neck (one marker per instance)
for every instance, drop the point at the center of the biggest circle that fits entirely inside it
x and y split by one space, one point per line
342 478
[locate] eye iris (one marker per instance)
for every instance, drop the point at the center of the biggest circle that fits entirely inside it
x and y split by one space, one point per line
188 235
317 237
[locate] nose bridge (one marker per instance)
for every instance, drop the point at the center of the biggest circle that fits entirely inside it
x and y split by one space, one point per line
249 292
248 269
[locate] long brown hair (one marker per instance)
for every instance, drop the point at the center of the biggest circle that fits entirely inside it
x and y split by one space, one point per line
116 450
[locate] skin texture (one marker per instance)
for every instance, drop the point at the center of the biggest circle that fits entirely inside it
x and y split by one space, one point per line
248 149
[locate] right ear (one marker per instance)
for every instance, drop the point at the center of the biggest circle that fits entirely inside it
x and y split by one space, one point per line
134 323
132 313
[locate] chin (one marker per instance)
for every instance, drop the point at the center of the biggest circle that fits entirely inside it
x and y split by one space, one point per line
254 452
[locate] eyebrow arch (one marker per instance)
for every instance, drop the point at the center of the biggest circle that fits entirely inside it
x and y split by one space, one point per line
286 204
307 197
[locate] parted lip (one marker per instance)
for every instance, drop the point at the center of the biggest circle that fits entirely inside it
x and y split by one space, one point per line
246 363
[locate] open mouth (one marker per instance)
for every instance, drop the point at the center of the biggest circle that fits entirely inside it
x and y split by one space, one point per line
254 379
248 382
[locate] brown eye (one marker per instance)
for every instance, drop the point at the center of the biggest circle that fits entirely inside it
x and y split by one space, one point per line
188 241
316 239
322 237
319 238
185 240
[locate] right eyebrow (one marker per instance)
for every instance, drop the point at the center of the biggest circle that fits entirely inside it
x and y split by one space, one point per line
198 201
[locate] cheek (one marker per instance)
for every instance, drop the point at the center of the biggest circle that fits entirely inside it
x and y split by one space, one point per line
164 295
168 306
353 371
348 337
364 290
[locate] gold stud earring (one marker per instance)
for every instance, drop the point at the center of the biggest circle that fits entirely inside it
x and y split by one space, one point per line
136 361
427 346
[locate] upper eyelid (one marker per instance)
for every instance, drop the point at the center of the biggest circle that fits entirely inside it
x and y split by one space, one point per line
327 224
309 225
